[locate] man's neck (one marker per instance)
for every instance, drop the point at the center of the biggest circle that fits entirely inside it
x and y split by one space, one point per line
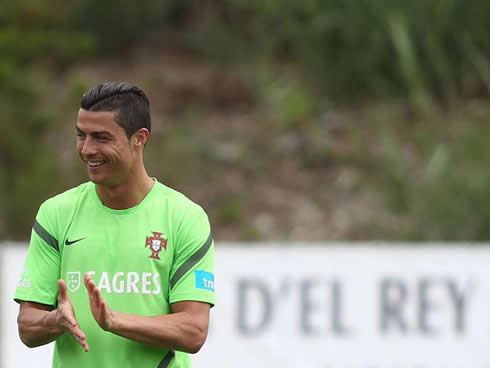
126 195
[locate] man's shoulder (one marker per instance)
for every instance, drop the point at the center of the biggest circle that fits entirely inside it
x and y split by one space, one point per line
68 197
189 218
177 200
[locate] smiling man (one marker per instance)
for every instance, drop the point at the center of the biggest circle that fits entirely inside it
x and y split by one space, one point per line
119 270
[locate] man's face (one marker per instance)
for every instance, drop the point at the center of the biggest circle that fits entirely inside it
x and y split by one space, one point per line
104 148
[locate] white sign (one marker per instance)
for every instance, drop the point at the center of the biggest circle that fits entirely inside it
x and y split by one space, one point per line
12 352
334 306
351 307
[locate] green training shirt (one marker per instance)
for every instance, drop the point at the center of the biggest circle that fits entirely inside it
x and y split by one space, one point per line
143 259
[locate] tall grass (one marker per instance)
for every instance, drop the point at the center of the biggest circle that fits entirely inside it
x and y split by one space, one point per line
348 50
33 38
382 48
435 179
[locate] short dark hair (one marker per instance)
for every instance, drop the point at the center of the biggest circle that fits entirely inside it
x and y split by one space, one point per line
130 104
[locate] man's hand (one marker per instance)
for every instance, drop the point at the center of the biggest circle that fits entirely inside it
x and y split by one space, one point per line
185 329
100 310
65 316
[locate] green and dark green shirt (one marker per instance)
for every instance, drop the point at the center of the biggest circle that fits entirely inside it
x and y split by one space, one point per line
143 259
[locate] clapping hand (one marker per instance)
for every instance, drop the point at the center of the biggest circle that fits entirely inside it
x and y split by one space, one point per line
65 316
100 310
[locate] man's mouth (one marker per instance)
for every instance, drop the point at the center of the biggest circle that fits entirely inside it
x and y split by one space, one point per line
93 164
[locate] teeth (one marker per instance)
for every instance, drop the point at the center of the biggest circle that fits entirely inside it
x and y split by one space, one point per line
95 163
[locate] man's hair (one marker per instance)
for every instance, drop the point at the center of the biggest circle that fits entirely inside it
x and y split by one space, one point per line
130 104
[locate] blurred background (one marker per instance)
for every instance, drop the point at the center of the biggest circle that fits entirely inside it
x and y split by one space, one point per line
289 122
286 120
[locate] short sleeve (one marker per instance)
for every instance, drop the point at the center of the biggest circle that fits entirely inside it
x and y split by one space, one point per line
192 273
38 282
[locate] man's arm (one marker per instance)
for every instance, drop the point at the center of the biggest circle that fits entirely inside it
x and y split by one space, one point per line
39 324
185 329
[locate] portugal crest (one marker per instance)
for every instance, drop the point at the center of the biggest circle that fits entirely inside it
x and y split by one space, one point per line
156 243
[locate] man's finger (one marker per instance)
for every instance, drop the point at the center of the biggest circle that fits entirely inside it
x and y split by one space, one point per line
78 334
93 290
89 283
98 296
63 293
86 279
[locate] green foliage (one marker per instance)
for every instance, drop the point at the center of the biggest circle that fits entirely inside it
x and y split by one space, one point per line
26 165
436 180
380 48
291 104
32 37
117 24
432 176
232 211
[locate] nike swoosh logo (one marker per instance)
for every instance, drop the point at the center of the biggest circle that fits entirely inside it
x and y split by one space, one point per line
67 242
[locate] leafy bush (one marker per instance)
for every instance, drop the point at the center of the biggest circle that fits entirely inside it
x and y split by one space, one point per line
435 179
30 40
348 50
368 48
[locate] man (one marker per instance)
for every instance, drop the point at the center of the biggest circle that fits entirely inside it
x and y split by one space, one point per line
119 269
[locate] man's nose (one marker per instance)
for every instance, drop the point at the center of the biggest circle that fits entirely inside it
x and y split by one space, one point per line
88 147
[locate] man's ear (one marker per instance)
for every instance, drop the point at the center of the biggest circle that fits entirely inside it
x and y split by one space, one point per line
140 137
